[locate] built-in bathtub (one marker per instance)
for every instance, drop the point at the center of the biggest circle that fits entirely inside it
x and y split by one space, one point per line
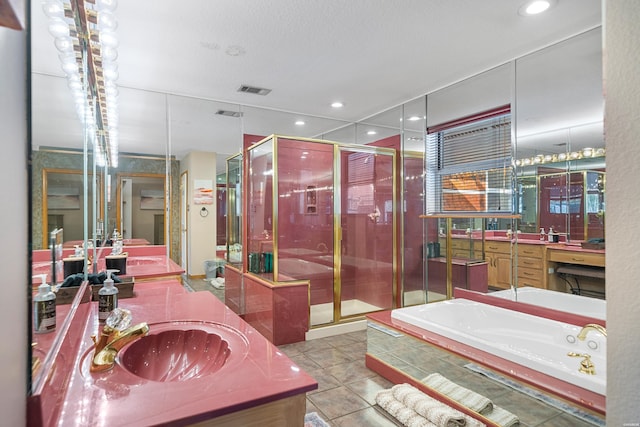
536 343
561 301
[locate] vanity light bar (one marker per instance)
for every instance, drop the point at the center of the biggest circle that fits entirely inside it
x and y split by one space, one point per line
84 36
585 153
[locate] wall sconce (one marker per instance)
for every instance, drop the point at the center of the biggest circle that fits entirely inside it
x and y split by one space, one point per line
84 32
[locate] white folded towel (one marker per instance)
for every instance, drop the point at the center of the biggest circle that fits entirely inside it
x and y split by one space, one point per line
468 398
400 412
502 417
472 400
433 410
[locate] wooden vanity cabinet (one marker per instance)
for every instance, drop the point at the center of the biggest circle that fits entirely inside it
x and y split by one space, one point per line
531 265
528 270
498 256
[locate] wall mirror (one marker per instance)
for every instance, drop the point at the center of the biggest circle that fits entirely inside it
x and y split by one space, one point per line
63 205
140 208
560 142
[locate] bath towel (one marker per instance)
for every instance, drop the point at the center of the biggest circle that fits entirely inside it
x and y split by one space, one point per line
433 410
472 400
502 417
407 417
468 398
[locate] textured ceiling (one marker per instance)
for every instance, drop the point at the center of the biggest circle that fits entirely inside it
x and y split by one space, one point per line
185 60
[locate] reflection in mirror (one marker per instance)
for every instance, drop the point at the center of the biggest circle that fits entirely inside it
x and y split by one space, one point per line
58 192
140 209
559 124
234 209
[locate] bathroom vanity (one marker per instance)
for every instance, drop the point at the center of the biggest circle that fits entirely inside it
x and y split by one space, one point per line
255 385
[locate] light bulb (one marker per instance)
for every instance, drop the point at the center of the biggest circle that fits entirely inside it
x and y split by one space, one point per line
109 39
109 53
110 72
107 20
53 8
64 44
58 27
110 5
536 7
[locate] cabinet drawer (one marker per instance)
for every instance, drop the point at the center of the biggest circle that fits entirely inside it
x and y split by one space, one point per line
530 277
532 251
526 262
574 257
460 244
461 253
498 247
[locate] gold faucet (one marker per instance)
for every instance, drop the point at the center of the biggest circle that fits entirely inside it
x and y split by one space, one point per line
111 341
582 335
586 365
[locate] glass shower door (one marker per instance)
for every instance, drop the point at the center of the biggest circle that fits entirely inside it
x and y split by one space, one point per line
367 227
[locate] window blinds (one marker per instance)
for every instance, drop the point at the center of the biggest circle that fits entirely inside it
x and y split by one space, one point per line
470 168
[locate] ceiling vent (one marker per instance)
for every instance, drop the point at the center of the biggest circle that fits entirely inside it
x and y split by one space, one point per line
229 113
254 90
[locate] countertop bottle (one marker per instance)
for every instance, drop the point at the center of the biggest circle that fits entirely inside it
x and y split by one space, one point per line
44 308
107 297
550 234
542 234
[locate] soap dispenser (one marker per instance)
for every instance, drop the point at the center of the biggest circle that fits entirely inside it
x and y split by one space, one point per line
550 234
542 234
107 297
44 308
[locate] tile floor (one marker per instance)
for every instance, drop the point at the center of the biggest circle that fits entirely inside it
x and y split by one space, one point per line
347 388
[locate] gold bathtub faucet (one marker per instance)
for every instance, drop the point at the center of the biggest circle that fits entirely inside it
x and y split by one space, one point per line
586 365
582 335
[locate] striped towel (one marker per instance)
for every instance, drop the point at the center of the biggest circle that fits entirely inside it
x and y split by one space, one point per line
400 412
468 398
472 400
502 417
433 410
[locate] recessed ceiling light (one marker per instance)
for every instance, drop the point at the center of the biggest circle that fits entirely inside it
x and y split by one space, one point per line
337 104
372 132
299 123
413 118
535 7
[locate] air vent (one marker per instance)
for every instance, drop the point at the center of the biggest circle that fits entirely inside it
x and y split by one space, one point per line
229 113
254 90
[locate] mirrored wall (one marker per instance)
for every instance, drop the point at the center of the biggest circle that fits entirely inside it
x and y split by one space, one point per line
555 99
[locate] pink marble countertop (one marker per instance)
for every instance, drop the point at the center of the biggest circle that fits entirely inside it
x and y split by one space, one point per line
259 373
143 262
148 267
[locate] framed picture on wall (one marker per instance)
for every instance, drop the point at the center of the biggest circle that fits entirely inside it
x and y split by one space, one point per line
63 198
203 192
152 199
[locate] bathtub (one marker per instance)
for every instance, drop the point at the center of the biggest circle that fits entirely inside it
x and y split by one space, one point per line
576 304
534 342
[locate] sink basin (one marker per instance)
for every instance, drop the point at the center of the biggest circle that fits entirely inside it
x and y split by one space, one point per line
173 352
176 355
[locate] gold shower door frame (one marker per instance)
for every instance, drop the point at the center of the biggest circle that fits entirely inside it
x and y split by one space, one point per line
342 257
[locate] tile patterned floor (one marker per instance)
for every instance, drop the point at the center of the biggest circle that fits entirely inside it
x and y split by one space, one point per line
347 388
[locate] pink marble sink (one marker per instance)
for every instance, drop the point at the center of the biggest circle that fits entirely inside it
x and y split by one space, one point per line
176 355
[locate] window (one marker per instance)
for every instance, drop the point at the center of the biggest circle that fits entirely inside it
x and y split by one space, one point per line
469 165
